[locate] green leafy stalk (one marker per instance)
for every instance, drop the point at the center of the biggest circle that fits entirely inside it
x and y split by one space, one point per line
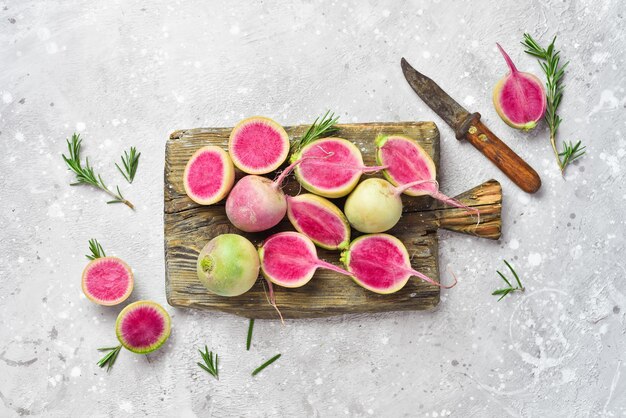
324 127
96 250
549 59
509 289
130 162
249 339
86 175
109 359
264 365
210 363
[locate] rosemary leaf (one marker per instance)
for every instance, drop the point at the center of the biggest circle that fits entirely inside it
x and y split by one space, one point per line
96 250
85 174
130 162
324 127
264 365
505 291
249 339
550 62
211 365
109 359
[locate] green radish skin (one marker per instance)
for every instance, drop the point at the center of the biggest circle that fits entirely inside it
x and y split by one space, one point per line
143 327
228 265
375 205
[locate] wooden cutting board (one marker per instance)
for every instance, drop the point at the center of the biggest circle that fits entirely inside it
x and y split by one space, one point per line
189 226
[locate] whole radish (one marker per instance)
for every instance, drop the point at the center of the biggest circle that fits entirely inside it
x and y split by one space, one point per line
375 205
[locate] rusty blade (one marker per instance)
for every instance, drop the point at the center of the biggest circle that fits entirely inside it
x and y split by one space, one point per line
438 100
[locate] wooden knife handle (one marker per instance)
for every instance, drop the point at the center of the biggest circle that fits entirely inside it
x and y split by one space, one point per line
501 155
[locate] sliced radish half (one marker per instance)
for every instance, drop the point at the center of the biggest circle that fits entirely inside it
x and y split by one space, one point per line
209 175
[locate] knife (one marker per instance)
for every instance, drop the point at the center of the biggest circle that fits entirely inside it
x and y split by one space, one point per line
468 126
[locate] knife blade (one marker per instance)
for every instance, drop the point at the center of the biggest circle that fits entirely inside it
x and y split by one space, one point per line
468 126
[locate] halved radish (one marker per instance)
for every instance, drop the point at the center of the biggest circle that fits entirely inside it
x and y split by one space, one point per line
289 259
107 281
209 175
407 162
320 220
332 167
143 326
258 145
380 263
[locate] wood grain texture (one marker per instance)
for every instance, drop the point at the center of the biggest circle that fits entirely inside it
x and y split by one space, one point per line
189 226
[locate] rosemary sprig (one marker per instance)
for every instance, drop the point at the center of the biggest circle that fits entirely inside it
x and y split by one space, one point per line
86 175
324 127
96 250
130 161
109 359
549 59
264 365
505 291
249 339
211 363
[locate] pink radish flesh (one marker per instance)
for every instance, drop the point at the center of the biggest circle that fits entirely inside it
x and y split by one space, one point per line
209 175
289 259
318 219
408 162
107 281
519 97
143 326
258 145
380 263
335 168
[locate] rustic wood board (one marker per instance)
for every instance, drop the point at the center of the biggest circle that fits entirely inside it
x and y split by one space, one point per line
189 226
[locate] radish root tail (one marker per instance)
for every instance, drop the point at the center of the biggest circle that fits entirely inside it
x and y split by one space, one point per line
453 202
272 299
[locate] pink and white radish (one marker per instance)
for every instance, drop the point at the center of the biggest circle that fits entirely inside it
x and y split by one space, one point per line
320 220
209 175
143 326
407 162
107 281
257 203
258 145
380 263
332 168
289 259
519 97
375 205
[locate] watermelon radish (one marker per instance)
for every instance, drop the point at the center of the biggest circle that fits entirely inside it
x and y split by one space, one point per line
209 175
143 326
380 263
320 220
228 265
107 281
375 205
258 145
257 203
334 169
289 259
519 97
407 162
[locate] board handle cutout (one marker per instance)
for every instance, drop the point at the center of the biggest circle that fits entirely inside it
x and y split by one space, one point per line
487 198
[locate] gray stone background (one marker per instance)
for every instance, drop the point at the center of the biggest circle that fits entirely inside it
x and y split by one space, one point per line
127 73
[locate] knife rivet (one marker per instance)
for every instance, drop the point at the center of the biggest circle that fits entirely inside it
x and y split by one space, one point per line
472 130
483 137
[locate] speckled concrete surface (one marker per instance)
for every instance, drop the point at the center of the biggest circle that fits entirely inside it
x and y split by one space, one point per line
128 73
